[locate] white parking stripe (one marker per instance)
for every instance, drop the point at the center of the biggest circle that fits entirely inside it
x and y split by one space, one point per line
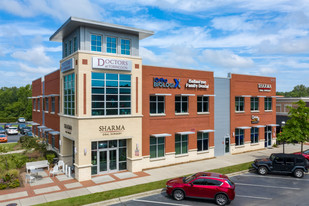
254 185
161 203
262 198
286 178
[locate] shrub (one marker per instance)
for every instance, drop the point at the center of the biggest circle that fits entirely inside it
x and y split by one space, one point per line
14 173
50 157
14 183
3 186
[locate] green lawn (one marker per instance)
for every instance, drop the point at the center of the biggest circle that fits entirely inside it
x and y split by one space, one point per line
101 196
10 146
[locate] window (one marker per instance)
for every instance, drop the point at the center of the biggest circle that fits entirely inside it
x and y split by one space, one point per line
157 104
202 104
254 104
111 45
111 94
268 103
239 104
199 182
53 141
65 49
125 46
202 141
53 104
69 94
34 106
96 43
46 104
39 106
254 135
43 104
181 144
157 147
213 182
75 44
181 104
239 137
70 47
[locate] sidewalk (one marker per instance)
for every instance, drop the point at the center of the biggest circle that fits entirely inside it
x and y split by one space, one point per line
60 187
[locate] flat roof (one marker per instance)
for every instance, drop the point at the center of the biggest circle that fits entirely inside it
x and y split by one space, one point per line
73 23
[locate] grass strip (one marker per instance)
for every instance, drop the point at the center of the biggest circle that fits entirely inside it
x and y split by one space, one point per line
10 146
101 196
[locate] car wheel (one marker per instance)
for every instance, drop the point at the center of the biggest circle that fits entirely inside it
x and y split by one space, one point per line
221 199
178 195
262 170
299 173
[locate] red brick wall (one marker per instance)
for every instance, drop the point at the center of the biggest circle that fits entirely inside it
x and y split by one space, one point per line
248 85
171 123
37 91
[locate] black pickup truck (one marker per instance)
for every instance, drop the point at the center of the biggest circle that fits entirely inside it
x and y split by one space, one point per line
282 164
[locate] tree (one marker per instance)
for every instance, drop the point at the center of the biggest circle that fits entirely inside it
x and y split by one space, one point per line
297 126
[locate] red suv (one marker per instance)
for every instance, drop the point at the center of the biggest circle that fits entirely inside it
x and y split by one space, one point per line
305 154
206 185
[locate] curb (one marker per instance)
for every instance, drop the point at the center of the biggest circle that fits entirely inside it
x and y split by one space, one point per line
145 194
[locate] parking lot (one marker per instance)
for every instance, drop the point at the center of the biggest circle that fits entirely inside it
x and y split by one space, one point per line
13 138
251 189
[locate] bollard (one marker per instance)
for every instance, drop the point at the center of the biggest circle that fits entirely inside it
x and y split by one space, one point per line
66 169
69 172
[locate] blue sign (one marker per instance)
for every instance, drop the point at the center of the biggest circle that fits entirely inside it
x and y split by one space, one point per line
163 83
67 65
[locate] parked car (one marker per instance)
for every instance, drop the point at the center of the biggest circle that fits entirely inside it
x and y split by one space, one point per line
202 185
21 120
29 133
282 163
7 125
3 138
2 131
305 154
21 126
12 130
24 130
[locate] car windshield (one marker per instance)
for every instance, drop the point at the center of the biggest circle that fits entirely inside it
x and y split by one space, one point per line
306 151
189 178
2 135
230 182
272 157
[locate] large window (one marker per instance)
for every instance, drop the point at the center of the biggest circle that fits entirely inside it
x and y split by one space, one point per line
66 49
157 104
239 137
157 147
202 141
202 104
254 135
111 45
181 104
69 94
46 104
111 94
34 105
75 44
53 104
125 46
268 103
96 43
254 103
70 47
181 144
39 105
239 104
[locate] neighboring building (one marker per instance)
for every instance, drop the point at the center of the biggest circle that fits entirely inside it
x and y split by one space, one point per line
116 114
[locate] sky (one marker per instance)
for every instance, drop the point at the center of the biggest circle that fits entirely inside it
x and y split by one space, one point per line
264 37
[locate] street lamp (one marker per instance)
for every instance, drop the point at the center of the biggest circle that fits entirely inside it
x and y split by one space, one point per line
282 125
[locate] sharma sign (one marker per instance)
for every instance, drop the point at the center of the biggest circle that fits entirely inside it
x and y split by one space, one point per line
110 63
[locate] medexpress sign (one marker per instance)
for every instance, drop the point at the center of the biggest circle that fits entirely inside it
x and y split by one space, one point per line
110 63
163 83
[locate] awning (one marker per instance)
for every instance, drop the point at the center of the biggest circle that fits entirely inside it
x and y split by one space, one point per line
41 127
47 129
261 96
184 133
258 126
161 135
243 127
246 95
209 95
206 130
157 94
187 94
52 95
54 132
273 125
35 124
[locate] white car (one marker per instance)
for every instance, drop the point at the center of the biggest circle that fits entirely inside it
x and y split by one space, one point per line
12 130
21 120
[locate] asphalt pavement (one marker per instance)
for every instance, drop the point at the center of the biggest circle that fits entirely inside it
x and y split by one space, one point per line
13 138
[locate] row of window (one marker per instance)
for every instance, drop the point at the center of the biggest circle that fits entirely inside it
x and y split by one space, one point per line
70 46
254 104
45 106
254 135
157 144
111 44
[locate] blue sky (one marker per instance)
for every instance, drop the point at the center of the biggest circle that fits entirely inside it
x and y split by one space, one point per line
269 38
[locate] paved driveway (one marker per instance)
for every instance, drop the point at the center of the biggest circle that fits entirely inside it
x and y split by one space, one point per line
251 189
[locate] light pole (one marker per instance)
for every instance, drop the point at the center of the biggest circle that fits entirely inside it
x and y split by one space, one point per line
282 125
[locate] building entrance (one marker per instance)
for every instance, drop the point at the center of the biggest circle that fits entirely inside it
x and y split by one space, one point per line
268 136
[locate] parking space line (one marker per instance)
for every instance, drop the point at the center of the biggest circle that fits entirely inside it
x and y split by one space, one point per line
262 198
161 203
286 178
254 185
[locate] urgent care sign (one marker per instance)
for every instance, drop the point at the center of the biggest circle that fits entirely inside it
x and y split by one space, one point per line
110 63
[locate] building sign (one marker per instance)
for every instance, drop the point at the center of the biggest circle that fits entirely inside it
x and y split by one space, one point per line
264 87
68 128
255 119
111 130
109 63
163 83
67 65
198 84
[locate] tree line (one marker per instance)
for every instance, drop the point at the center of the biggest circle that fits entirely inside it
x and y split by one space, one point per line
14 103
298 91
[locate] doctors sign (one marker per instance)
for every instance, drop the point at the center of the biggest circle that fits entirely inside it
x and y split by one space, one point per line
110 63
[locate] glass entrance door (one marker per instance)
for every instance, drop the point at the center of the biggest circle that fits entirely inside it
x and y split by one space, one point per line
103 161
227 145
267 136
112 160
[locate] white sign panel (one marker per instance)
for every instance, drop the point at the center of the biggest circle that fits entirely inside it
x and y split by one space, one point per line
198 84
67 65
110 63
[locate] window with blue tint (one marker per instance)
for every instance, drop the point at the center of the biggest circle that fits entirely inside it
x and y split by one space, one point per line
96 43
239 137
65 49
69 94
111 94
75 44
111 45
268 103
125 46
254 135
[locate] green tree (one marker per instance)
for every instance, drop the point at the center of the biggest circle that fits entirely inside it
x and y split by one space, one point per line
297 126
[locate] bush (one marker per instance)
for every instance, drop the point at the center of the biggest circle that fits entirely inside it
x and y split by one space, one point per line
8 119
14 183
14 173
3 186
50 158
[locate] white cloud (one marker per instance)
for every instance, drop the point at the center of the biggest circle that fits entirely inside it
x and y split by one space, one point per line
40 70
35 56
235 23
23 29
267 70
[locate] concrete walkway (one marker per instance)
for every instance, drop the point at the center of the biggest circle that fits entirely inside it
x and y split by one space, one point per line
56 188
